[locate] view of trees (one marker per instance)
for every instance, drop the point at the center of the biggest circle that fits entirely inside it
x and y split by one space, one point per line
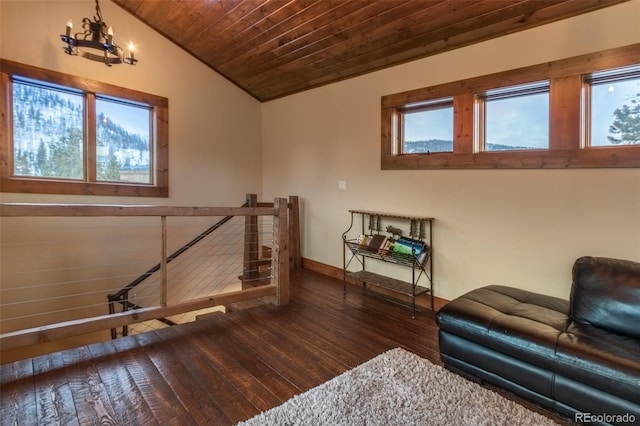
63 158
48 138
625 128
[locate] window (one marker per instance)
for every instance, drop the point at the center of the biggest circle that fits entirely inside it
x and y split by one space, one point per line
67 135
123 131
427 127
542 116
613 102
514 118
47 131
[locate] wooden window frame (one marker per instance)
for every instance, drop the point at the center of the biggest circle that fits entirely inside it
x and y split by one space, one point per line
160 137
566 149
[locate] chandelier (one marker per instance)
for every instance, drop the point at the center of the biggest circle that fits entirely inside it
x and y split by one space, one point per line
95 42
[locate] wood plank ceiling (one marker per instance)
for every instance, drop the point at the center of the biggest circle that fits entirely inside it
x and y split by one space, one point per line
274 48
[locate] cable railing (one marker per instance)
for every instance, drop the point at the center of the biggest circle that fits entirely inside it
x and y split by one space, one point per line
58 261
256 264
122 296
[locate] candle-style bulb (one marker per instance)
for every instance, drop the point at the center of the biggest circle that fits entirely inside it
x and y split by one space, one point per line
69 27
131 51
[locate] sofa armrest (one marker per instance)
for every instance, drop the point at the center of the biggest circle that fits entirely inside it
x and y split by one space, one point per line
606 293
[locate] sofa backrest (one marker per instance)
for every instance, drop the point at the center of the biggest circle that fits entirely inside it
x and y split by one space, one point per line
606 293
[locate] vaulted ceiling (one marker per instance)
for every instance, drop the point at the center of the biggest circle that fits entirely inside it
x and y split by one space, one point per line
274 48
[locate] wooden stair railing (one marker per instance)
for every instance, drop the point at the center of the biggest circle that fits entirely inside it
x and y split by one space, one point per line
252 274
277 292
122 295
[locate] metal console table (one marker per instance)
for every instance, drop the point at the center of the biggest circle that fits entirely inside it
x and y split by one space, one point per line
388 244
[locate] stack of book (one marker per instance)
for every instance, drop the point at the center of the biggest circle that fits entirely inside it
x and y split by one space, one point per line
402 246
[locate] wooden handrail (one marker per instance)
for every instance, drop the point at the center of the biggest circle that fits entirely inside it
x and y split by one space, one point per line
96 210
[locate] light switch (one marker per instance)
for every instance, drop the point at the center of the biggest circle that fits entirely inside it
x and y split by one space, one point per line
342 185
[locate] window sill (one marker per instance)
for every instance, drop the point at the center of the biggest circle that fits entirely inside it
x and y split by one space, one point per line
81 188
600 157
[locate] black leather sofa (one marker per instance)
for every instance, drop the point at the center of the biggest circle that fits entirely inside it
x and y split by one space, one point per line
579 357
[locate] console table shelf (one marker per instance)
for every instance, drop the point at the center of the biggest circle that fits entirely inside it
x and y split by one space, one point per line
388 255
414 251
397 286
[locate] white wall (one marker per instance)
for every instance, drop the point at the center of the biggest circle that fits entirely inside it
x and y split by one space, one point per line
513 227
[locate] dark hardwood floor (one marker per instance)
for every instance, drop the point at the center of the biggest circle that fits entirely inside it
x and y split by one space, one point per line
221 369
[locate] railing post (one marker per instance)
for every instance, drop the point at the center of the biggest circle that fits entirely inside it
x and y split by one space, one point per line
163 261
281 251
250 268
125 307
294 232
112 310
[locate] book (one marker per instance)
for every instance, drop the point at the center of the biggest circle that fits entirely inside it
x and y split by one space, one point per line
422 256
376 242
408 245
401 248
411 242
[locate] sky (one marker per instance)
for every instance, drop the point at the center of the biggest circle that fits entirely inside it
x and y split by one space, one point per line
435 124
521 121
608 97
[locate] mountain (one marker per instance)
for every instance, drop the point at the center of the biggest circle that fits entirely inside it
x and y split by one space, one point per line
47 137
439 145
432 145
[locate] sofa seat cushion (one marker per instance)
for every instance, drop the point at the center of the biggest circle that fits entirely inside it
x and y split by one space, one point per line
600 359
515 322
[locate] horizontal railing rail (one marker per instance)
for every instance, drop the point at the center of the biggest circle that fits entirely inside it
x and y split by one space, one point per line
96 210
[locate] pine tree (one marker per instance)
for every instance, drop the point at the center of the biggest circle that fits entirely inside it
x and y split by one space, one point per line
109 171
21 164
65 157
41 157
625 128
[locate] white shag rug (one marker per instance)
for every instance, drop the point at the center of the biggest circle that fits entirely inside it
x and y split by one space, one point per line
399 388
